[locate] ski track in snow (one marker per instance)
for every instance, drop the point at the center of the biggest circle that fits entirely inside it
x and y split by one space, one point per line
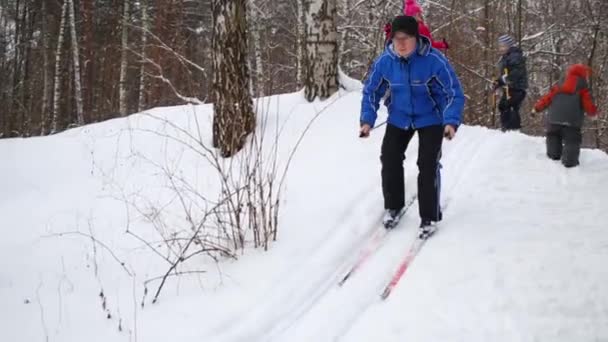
298 295
469 147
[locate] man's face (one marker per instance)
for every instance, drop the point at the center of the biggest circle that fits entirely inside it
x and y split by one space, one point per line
404 43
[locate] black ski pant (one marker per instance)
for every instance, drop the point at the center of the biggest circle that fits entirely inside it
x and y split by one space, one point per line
394 145
509 109
564 142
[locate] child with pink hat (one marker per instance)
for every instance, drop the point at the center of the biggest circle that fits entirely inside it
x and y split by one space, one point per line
412 9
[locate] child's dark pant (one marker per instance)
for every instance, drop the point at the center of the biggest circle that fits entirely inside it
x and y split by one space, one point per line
564 142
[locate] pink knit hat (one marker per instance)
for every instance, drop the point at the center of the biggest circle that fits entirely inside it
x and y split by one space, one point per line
412 8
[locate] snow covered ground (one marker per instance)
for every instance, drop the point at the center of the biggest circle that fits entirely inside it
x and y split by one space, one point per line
521 254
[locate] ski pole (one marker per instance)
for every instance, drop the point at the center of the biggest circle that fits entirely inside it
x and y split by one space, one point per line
361 135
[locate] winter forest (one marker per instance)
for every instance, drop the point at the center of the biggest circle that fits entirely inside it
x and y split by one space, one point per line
66 63
210 170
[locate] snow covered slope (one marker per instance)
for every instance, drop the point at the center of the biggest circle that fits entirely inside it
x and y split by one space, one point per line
521 254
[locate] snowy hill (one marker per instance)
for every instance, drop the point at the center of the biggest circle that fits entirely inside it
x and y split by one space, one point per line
520 255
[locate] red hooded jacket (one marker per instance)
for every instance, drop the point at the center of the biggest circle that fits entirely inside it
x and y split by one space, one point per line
424 31
569 86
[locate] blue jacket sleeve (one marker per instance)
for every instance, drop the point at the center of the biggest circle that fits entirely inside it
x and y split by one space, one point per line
373 90
452 90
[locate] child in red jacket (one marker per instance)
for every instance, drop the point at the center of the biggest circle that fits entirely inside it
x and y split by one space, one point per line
412 9
568 101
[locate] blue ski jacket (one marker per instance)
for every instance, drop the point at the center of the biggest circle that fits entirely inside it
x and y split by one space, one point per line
423 89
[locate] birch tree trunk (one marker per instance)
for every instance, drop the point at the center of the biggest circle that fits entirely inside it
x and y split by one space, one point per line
12 129
123 60
58 60
142 68
254 20
46 79
321 75
233 116
27 79
76 61
89 63
301 34
343 12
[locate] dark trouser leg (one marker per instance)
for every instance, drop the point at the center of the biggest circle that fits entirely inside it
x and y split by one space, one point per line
509 109
429 178
503 107
572 146
392 156
554 141
515 102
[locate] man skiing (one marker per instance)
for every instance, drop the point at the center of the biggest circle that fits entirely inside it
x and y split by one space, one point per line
513 80
425 97
568 101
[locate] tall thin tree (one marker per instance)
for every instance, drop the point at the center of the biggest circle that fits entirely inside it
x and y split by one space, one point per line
123 59
46 79
300 38
76 65
58 73
142 67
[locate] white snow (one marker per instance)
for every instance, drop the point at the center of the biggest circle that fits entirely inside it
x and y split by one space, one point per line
520 255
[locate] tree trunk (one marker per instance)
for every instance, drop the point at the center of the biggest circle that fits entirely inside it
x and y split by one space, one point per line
598 142
123 60
27 80
76 65
58 61
488 71
233 116
89 62
142 68
254 21
13 109
46 78
344 12
160 29
520 14
300 37
321 76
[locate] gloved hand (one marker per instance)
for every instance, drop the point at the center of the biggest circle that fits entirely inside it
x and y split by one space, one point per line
447 46
449 132
364 131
